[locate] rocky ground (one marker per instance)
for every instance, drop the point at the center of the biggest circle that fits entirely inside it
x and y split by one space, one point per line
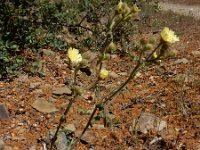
159 110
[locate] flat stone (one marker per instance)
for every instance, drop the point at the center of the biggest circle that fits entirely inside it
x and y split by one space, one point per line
44 106
148 121
3 112
70 128
34 85
61 91
181 61
196 53
48 52
112 74
88 136
61 142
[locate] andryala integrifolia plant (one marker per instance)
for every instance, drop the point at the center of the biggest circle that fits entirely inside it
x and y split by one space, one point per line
123 13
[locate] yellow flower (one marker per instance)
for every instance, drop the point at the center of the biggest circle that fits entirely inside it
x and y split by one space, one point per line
74 55
135 9
103 73
168 36
120 7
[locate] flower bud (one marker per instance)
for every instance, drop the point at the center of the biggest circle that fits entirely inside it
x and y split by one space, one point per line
148 46
155 55
111 47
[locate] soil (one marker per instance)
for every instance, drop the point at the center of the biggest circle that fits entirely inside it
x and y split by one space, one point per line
172 95
183 9
185 2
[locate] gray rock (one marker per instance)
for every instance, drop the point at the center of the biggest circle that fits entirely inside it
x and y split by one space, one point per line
61 90
148 121
34 85
48 52
196 53
61 142
88 136
70 128
3 112
113 74
181 61
38 92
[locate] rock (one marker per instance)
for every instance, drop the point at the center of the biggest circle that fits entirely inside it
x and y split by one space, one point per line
44 106
70 128
184 78
112 74
196 53
51 99
181 61
148 121
3 112
33 147
48 52
1 144
34 85
61 142
61 90
88 137
99 126
38 92
22 78
123 73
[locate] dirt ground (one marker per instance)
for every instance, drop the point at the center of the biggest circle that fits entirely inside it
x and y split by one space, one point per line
172 95
186 2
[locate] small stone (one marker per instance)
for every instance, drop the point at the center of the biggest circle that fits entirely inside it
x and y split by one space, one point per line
181 61
148 121
48 52
34 147
123 73
98 126
44 106
196 53
61 142
51 99
22 78
112 74
3 112
70 127
88 137
34 85
61 90
38 92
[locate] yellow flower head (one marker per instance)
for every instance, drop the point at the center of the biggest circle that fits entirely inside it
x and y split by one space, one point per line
103 73
135 9
120 7
74 55
168 36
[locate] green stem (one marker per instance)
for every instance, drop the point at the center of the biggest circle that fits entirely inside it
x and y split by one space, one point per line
114 92
85 129
62 118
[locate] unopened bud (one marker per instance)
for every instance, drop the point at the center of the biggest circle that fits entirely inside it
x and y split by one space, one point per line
111 47
148 46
